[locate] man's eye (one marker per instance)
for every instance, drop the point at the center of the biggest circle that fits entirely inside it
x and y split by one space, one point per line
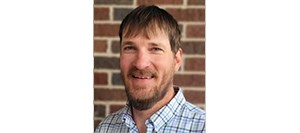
157 49
128 48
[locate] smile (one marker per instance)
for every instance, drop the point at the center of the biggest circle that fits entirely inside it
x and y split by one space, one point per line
141 77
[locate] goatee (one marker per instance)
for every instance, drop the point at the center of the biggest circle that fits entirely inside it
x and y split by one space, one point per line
156 92
144 104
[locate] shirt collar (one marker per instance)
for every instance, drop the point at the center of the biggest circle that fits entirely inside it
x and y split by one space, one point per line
167 112
126 116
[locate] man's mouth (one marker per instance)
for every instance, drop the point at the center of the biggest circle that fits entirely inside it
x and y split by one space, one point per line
142 77
142 74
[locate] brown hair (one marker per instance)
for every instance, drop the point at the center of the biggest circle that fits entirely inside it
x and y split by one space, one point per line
146 20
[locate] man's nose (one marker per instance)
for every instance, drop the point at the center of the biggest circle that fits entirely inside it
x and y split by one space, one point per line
142 60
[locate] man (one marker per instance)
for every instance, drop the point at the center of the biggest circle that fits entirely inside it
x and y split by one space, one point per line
150 54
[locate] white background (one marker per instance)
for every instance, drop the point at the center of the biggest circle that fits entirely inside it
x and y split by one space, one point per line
46 71
252 66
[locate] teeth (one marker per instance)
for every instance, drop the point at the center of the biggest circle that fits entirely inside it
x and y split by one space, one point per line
134 76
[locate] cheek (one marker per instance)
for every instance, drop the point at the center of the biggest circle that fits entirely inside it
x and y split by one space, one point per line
125 63
165 64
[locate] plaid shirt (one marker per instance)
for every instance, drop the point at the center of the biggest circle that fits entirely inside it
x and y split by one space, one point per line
177 116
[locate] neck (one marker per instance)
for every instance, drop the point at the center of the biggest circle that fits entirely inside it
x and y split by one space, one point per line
140 116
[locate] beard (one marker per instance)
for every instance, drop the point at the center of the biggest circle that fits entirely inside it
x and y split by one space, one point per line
156 91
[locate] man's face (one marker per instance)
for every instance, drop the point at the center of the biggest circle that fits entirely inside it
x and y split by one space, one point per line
147 67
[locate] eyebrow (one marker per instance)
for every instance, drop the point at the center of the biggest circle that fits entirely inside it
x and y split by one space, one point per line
149 43
158 45
154 44
127 43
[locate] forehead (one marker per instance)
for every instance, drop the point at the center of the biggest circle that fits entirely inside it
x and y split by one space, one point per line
151 29
159 39
147 33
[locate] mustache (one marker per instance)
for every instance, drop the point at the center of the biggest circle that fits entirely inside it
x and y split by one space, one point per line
145 72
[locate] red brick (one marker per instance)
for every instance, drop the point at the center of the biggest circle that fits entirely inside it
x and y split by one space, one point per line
161 2
100 78
189 14
104 94
189 80
99 111
113 2
101 13
196 2
115 108
101 62
193 47
96 123
109 30
195 97
120 13
115 46
100 45
195 31
194 64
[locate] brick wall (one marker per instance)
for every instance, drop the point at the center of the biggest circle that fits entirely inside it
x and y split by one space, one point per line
109 94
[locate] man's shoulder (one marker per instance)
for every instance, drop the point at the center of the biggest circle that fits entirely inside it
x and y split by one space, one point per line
187 110
190 110
188 118
193 108
111 121
114 118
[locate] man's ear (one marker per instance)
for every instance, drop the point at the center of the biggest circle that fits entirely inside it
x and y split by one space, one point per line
178 59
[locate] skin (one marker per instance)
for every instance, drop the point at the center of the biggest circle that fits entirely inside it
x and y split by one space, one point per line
148 66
